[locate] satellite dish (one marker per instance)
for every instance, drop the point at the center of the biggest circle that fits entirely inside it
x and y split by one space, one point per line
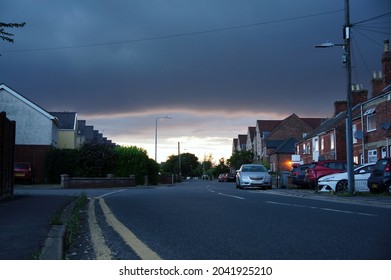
359 134
385 125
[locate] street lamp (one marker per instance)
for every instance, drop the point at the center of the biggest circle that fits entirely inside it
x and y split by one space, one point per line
158 118
349 123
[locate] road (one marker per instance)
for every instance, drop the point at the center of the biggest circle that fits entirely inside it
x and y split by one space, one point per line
204 220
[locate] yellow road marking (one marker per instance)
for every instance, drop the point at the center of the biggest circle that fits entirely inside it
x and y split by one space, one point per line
102 251
141 249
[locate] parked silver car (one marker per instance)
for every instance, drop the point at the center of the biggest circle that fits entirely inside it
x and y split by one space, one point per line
253 176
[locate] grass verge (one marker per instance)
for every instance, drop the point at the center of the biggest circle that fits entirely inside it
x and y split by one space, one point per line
73 224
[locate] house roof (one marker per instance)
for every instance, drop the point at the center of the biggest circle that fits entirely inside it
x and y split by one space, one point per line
286 147
68 120
242 138
327 125
251 132
29 103
273 144
314 122
267 125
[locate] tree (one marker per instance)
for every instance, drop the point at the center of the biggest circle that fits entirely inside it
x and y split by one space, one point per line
96 160
189 165
240 157
134 161
6 36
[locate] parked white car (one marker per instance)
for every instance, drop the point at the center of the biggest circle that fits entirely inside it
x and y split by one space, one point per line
339 181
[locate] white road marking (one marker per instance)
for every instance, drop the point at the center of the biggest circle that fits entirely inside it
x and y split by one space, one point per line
322 208
220 193
106 194
233 196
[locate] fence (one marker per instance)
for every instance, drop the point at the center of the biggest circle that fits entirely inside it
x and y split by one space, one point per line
108 182
7 146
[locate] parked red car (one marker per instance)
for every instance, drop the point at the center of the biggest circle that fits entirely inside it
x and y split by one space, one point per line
23 171
322 168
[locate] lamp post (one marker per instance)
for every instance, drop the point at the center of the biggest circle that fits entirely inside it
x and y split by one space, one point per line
349 123
156 121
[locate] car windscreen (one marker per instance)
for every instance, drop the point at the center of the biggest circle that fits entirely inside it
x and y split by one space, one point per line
22 166
380 165
254 168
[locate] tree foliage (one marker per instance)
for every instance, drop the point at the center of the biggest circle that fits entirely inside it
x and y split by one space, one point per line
132 161
60 162
240 157
189 165
6 36
96 160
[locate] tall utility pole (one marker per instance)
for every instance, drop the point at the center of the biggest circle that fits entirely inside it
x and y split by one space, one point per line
349 123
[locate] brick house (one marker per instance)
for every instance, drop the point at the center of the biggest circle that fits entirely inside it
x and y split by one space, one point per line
375 115
371 124
328 140
278 145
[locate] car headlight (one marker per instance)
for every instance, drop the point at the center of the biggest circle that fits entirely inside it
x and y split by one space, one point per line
326 179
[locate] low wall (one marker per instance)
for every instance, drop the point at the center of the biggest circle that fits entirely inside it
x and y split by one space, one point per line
109 182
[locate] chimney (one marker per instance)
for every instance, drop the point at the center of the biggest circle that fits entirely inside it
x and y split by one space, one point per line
377 83
340 106
359 94
383 78
386 64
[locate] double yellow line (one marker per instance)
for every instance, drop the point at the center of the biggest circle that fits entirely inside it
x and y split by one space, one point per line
102 251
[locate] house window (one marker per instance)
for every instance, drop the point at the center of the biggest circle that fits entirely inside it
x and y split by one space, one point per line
383 152
322 143
332 142
304 149
307 149
372 156
354 129
316 145
371 119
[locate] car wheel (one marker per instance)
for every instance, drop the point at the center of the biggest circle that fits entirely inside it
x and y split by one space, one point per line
341 186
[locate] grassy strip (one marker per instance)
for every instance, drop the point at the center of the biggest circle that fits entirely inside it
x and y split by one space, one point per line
73 223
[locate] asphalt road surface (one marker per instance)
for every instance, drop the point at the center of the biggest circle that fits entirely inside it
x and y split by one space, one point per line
207 220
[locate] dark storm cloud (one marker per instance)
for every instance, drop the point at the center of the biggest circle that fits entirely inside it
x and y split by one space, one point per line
250 58
68 57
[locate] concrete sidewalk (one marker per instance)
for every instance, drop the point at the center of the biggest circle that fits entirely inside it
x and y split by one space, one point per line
368 199
25 224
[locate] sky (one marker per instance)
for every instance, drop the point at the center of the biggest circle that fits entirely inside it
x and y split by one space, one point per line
214 67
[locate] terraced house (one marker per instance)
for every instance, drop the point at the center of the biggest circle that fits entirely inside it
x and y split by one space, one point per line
371 123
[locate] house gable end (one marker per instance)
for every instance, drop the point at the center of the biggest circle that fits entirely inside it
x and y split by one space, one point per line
29 103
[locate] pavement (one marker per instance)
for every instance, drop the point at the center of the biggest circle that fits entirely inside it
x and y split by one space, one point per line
25 227
26 232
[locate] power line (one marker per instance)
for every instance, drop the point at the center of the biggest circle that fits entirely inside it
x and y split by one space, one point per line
178 35
372 18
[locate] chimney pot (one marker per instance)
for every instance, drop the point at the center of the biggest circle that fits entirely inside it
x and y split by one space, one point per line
386 45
